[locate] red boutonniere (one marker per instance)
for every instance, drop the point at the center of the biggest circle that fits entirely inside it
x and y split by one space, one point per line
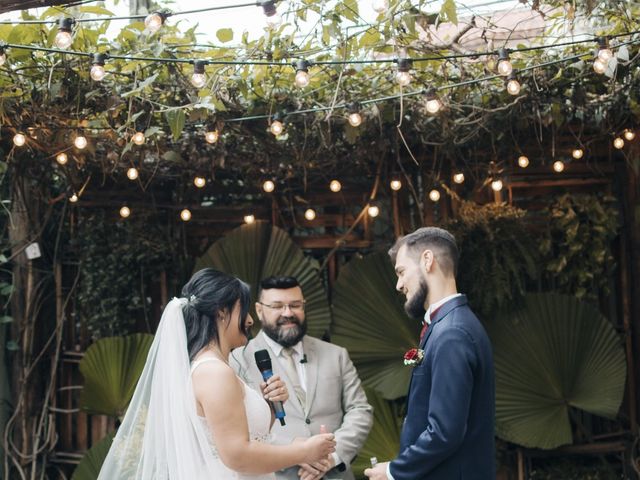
413 357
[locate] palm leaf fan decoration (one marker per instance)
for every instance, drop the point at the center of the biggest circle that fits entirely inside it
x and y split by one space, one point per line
259 250
383 441
91 463
111 368
555 354
370 322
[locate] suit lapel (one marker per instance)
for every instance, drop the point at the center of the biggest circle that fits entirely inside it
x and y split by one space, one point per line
311 371
443 312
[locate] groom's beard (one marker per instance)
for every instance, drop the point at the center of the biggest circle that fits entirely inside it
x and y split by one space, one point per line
287 337
414 306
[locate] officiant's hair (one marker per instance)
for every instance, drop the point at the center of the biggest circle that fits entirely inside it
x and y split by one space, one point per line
280 283
209 294
439 240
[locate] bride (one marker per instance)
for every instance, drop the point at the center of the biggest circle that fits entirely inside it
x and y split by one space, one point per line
191 417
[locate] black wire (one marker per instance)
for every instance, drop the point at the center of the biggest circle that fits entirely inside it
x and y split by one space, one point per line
130 17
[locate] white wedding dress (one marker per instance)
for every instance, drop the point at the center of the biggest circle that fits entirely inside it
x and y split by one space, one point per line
161 436
258 420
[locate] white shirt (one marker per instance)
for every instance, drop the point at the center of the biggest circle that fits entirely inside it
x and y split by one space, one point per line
298 355
427 319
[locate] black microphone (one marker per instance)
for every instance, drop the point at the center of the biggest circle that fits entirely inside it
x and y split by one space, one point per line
304 359
263 361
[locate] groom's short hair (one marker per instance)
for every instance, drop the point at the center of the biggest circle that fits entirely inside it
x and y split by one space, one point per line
437 239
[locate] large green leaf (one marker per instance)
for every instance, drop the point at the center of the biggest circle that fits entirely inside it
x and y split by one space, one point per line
369 320
256 251
111 368
383 441
555 354
89 466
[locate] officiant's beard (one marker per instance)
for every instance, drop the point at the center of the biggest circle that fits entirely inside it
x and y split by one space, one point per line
286 336
414 306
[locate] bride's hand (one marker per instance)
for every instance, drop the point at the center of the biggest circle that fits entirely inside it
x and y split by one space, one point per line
319 447
274 390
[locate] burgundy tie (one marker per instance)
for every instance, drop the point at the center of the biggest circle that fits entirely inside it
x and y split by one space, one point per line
425 327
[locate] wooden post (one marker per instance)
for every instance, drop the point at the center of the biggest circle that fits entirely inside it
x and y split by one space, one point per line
397 227
520 464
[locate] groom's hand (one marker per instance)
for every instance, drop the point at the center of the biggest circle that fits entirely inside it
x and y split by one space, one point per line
379 472
316 470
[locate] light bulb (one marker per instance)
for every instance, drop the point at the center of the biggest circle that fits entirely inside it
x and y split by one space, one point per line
523 161
125 211
558 166
302 78
138 138
335 186
268 186
513 87
380 6
154 21
434 195
3 57
433 105
618 143
249 219
577 153
199 182
63 39
80 142
373 211
19 139
310 214
355 119
132 173
629 134
395 184
605 54
62 158
198 80
185 215
211 136
276 127
73 198
97 72
403 78
599 66
496 185
458 178
505 67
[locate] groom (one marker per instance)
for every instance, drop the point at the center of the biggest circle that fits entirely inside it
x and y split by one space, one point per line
448 432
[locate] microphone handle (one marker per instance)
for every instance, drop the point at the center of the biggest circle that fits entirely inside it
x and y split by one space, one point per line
278 409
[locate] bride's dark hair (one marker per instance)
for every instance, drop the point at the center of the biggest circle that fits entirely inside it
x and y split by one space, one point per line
209 295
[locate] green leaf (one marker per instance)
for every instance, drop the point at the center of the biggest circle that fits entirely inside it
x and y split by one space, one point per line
12 346
176 119
448 12
225 35
91 463
111 368
6 319
554 354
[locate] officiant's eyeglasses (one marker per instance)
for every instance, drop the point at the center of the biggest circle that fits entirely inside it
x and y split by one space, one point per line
293 306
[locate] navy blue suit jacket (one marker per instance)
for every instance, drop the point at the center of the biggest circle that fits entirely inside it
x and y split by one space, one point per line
448 433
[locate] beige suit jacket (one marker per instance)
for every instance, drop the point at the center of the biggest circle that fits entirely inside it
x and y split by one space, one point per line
334 398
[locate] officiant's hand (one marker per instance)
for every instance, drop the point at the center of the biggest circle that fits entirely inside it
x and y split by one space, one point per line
315 470
275 390
379 472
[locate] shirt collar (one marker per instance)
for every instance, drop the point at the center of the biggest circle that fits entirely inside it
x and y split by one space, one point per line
276 348
434 306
